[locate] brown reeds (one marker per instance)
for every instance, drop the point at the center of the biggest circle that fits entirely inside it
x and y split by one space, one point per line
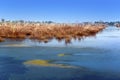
46 32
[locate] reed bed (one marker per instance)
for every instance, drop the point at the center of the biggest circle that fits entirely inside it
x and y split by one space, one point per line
46 32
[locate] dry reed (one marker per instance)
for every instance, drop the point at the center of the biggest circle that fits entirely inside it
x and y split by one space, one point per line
46 32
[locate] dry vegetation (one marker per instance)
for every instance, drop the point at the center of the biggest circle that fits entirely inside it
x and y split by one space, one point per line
45 32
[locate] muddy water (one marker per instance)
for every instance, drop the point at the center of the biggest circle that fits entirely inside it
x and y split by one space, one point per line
93 58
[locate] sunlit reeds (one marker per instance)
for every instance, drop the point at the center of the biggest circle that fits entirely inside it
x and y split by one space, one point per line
46 32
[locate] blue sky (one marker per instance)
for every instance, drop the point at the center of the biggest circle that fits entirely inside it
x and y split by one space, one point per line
60 10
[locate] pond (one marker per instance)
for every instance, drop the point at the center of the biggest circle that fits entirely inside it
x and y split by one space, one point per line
92 58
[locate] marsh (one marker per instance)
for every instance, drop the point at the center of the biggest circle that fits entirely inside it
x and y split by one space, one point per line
93 58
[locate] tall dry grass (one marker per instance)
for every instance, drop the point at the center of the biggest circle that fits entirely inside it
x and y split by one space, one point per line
46 32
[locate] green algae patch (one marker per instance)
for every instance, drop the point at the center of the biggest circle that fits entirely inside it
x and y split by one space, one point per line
46 63
61 55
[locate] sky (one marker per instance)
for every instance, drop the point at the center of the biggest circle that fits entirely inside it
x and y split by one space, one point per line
60 10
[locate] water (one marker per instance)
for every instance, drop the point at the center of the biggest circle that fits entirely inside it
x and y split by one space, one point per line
93 58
